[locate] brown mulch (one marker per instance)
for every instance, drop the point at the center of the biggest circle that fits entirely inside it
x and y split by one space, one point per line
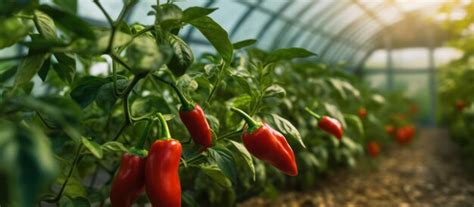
427 173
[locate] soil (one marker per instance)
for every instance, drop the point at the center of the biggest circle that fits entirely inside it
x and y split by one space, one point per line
429 172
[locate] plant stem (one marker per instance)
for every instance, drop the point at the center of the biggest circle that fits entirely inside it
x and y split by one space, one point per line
71 170
230 134
164 126
253 125
312 113
186 105
109 19
215 85
119 60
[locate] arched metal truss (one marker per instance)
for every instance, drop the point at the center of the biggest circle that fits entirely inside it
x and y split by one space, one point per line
337 30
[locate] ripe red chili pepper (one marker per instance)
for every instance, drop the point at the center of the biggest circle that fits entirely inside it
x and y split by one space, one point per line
193 118
405 134
162 171
196 123
332 126
362 112
460 105
129 182
373 148
389 129
269 145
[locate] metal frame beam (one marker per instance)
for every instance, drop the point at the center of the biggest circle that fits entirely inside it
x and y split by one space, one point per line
349 27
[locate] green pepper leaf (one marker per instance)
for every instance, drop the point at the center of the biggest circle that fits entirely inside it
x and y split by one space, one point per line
27 161
245 154
69 22
12 31
87 89
285 127
216 175
68 5
93 147
216 35
28 67
113 146
223 158
66 67
46 25
182 55
288 54
169 16
193 13
143 55
244 43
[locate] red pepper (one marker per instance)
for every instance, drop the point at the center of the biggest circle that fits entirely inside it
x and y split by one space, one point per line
193 118
129 182
196 123
373 148
162 171
268 145
362 112
328 124
331 126
460 104
389 129
405 134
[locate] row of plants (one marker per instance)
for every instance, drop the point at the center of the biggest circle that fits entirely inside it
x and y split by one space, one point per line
455 88
162 126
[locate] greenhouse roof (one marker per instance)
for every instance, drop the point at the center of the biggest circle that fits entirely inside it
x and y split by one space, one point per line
338 31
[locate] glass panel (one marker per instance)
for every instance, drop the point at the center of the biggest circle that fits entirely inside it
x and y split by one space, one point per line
252 26
315 9
275 4
376 61
302 39
369 4
415 86
346 17
229 13
187 4
445 55
287 35
293 11
89 10
411 58
376 80
388 15
266 41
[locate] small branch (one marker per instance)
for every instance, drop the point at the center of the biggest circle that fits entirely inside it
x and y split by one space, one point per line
109 19
230 134
71 170
121 61
215 85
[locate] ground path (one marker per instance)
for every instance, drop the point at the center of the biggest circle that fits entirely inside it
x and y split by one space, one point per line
427 173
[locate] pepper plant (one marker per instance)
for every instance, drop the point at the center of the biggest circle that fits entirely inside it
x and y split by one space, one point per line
72 136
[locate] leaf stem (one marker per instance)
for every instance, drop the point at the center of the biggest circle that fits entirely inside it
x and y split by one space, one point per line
186 105
109 19
71 170
312 113
164 126
215 85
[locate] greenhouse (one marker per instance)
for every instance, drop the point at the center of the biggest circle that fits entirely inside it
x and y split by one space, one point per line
236 103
